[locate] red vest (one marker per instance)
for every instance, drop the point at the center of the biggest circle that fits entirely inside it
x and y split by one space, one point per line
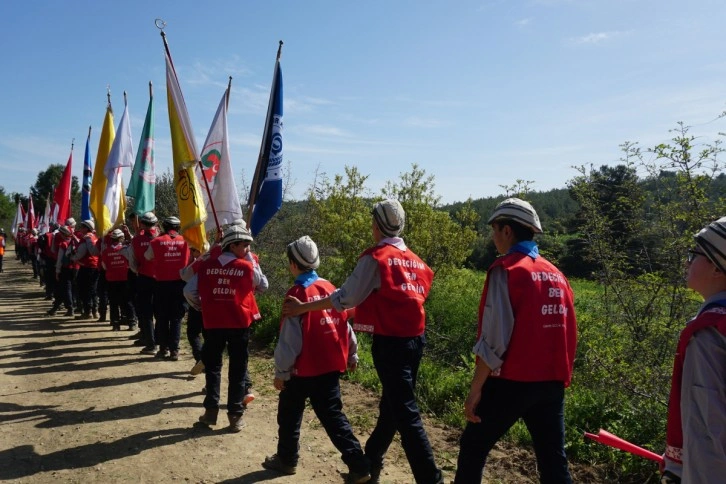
711 317
324 334
171 254
88 260
117 265
544 338
67 246
227 294
396 308
139 245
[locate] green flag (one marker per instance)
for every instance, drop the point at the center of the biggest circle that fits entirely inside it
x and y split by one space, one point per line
143 179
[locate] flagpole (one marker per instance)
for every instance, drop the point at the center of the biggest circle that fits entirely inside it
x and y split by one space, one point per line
265 134
160 24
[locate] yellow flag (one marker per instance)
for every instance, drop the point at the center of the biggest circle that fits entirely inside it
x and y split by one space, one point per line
192 213
98 185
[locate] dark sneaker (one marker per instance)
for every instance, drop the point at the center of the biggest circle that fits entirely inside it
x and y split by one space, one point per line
116 327
162 353
149 350
236 424
209 417
51 312
136 335
375 473
357 478
274 463
68 313
139 342
174 356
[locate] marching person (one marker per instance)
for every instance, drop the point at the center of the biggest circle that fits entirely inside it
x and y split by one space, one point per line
223 289
2 247
87 279
525 350
116 268
388 288
312 351
64 268
144 269
169 253
696 429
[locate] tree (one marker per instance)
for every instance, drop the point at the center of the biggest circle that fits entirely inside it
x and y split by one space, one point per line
7 208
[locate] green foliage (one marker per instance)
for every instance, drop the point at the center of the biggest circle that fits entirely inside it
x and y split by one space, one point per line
7 210
47 180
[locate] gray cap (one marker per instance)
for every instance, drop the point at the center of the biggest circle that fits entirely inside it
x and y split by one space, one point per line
116 234
148 218
71 222
88 224
712 239
236 234
304 252
171 222
390 217
517 210
65 231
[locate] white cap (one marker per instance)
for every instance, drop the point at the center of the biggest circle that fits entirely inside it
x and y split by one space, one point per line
712 239
390 217
304 252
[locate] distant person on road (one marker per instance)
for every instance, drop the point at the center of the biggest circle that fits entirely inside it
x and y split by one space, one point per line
696 432
388 288
2 248
312 351
525 351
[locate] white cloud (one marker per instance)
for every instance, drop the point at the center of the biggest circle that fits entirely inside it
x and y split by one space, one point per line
523 22
596 37
418 122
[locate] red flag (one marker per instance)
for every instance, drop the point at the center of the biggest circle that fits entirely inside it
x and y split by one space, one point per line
606 438
30 219
62 195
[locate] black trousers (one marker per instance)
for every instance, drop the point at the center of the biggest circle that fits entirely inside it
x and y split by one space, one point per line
236 341
87 282
324 394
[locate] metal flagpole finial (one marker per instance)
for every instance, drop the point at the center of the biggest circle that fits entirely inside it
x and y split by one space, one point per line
279 50
160 24
126 102
108 93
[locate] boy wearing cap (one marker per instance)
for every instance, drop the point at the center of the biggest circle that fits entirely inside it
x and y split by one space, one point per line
144 289
87 279
312 351
169 253
223 289
527 334
116 266
388 288
64 268
696 431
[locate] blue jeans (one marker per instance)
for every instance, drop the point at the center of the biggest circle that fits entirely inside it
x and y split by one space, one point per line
324 394
503 402
396 361
215 341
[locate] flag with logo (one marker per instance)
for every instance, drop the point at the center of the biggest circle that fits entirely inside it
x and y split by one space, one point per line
121 156
192 213
266 191
98 186
217 170
142 187
86 188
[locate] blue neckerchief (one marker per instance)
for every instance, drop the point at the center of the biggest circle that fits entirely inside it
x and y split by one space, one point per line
306 278
527 247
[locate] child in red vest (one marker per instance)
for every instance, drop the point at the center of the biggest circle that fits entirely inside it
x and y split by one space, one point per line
116 266
696 432
312 351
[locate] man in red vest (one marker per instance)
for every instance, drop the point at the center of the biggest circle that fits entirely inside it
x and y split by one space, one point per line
696 432
525 350
87 279
312 351
388 288
169 253
223 288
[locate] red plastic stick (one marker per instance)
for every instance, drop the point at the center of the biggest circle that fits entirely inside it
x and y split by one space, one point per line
606 438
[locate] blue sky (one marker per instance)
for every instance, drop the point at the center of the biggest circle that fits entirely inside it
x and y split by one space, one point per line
477 93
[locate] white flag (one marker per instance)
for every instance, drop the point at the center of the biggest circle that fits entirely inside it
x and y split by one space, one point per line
121 156
218 171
